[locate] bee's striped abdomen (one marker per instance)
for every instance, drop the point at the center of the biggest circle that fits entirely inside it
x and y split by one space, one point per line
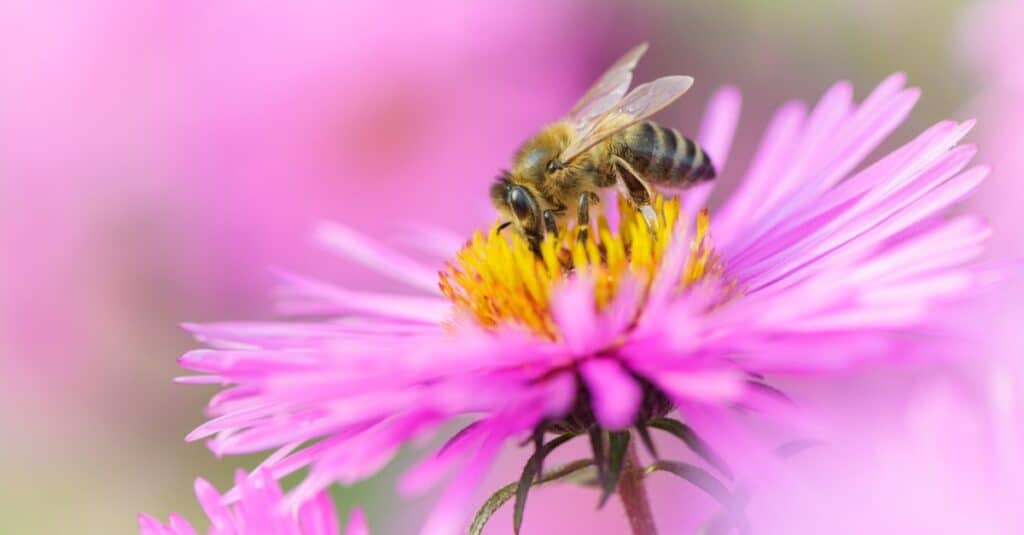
664 156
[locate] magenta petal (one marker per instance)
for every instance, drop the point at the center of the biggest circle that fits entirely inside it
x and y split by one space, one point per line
719 125
430 470
372 254
447 517
310 296
573 309
435 240
831 112
716 133
615 396
151 526
711 386
357 523
211 502
318 517
256 507
560 395
180 526
778 142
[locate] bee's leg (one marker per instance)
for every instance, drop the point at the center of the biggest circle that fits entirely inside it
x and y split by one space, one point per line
550 224
534 242
637 191
583 216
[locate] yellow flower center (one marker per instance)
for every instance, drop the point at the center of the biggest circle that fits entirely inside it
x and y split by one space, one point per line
498 279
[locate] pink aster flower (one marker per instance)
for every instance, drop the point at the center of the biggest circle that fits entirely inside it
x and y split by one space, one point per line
260 510
817 262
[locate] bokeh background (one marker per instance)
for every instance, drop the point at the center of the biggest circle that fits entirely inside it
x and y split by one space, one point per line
158 159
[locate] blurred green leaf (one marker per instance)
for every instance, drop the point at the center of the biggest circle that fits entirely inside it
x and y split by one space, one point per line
695 443
529 473
618 443
504 494
707 482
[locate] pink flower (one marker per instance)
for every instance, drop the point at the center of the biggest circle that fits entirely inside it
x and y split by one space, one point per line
816 263
260 510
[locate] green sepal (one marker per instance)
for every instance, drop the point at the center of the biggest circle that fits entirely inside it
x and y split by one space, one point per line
618 443
596 435
700 478
707 482
530 471
504 494
459 435
695 443
645 437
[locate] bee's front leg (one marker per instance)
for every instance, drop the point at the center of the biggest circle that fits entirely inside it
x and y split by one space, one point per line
637 191
583 216
550 227
550 223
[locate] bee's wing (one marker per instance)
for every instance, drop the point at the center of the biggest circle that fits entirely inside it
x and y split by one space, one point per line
609 89
642 102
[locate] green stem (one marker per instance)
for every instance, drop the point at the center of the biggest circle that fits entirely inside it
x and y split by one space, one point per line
633 494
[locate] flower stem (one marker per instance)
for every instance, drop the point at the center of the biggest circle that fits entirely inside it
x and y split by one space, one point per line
633 494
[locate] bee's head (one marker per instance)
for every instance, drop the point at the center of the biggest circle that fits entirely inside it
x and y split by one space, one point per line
538 159
535 164
518 205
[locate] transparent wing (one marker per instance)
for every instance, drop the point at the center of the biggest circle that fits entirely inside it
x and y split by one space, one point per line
642 102
608 90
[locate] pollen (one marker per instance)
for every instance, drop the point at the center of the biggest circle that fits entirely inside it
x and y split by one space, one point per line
498 279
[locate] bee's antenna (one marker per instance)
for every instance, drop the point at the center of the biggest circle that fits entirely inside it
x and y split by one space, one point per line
503 226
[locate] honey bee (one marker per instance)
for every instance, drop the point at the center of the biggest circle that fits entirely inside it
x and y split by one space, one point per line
604 141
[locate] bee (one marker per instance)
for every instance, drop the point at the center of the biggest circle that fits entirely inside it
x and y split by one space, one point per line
604 141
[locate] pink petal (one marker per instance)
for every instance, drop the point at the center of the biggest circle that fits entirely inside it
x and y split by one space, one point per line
862 222
318 517
180 526
621 312
716 132
831 111
666 281
372 254
430 470
712 386
560 393
438 241
151 526
448 517
323 298
778 142
614 395
211 502
357 523
575 313
719 125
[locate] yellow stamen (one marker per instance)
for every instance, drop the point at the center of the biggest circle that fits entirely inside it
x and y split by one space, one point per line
497 279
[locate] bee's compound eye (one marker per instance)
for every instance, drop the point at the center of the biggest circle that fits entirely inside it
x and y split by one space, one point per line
519 201
554 165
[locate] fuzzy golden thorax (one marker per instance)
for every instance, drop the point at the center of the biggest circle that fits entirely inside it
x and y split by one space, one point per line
552 184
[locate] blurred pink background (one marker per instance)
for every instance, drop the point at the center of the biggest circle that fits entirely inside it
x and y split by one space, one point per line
157 159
